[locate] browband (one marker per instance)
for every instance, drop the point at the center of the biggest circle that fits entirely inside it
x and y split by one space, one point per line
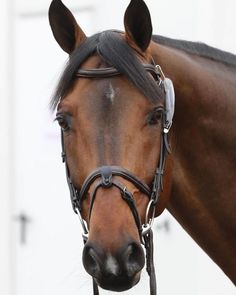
111 72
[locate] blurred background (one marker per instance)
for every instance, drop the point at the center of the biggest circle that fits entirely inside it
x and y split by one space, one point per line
40 241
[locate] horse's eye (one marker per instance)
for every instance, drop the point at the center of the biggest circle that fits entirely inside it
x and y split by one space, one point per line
155 116
63 121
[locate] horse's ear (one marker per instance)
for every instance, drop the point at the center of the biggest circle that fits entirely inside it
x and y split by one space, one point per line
65 29
138 24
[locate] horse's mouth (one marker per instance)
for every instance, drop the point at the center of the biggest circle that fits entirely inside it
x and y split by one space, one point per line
117 284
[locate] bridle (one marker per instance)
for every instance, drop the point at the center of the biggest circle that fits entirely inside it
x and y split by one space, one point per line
106 174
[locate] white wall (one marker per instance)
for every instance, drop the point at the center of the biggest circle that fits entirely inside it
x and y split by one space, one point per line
5 145
209 21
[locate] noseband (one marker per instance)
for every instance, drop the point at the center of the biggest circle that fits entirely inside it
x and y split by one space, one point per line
105 176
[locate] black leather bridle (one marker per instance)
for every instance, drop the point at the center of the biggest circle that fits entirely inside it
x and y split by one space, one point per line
106 174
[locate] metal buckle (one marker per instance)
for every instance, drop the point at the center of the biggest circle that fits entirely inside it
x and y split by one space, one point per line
166 129
159 70
146 227
85 228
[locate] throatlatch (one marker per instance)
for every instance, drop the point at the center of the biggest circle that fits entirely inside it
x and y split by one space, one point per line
106 174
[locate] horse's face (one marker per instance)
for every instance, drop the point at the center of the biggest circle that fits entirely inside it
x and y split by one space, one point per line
110 122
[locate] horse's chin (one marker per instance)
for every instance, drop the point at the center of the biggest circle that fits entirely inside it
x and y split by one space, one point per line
118 284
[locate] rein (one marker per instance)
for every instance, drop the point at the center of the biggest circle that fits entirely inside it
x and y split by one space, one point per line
106 173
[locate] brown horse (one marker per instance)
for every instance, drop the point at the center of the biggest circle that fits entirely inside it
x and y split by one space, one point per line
110 105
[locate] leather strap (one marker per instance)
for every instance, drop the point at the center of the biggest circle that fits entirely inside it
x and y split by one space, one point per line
111 72
114 171
95 288
149 261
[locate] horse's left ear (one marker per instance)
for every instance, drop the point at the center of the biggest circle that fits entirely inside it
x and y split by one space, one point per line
138 24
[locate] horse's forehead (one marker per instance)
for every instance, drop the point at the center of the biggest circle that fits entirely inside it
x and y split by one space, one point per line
111 93
106 93
100 93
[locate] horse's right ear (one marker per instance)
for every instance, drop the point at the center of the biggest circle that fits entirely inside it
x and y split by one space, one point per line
65 29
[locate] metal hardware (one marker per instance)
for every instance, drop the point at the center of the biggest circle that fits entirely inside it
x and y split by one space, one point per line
85 229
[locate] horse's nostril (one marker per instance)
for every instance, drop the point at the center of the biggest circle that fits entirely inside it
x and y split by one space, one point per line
134 259
91 261
117 271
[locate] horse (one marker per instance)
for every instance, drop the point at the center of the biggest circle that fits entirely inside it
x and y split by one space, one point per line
124 162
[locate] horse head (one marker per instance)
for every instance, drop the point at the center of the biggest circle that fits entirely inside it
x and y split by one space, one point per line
111 108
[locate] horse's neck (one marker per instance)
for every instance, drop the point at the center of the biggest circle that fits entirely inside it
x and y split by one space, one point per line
204 153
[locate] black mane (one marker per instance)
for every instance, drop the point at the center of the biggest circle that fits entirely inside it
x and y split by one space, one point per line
200 49
115 52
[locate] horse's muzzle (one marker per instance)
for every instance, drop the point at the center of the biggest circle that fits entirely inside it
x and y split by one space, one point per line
114 272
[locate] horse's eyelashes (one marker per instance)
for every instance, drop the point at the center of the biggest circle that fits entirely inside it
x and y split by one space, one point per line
64 121
155 116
